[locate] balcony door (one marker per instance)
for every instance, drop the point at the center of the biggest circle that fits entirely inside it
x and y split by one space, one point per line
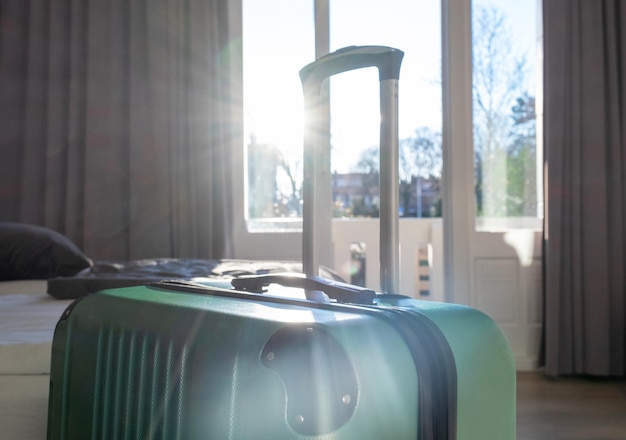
476 240
493 174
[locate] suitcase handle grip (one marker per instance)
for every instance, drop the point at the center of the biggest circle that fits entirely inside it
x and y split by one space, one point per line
316 216
386 59
339 291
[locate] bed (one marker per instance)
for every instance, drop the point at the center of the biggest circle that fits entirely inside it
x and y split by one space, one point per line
28 316
41 273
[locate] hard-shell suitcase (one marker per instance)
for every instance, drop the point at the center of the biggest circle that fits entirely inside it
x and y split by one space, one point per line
178 360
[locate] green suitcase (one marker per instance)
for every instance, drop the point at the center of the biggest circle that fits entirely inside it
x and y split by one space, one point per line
178 360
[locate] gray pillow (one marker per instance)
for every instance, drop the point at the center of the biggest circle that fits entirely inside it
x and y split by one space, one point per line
30 252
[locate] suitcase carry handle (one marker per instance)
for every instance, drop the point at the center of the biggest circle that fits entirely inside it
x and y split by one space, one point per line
341 292
388 61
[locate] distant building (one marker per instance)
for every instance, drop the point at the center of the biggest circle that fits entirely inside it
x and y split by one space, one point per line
358 194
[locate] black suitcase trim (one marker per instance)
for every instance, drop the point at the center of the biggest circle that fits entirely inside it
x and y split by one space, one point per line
437 378
434 361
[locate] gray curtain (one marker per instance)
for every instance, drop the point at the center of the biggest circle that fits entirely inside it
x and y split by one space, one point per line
585 147
114 125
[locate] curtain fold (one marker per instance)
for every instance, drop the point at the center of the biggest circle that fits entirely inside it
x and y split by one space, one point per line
114 125
585 148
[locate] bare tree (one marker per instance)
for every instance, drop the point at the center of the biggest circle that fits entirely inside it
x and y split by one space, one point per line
421 154
421 161
369 160
504 142
289 196
420 158
499 77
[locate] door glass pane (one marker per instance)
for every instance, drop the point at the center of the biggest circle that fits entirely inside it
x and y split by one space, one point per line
278 40
505 92
413 27
273 107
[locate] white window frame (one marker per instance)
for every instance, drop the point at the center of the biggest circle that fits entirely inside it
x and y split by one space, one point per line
266 244
457 137
458 197
458 167
458 164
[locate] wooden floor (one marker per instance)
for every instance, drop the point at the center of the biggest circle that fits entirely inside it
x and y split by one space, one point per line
570 408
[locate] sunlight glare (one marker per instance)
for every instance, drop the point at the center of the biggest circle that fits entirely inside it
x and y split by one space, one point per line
355 116
277 117
523 241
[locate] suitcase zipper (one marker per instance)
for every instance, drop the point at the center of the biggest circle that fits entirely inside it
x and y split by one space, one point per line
436 370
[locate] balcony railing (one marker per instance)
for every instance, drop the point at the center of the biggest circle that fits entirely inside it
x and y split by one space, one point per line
356 254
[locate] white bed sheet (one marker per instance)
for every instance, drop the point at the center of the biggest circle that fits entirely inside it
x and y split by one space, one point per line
28 317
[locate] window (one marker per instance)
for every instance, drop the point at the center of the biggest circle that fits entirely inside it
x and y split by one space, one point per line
355 119
277 45
278 41
506 151
279 38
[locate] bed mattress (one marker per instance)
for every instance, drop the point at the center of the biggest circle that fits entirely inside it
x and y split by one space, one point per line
28 317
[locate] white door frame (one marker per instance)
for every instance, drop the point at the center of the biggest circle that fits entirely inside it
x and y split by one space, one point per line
458 163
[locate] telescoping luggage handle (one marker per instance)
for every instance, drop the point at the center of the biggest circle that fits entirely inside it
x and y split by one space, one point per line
388 61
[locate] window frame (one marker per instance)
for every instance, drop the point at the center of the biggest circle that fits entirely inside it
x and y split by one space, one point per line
459 220
282 243
456 45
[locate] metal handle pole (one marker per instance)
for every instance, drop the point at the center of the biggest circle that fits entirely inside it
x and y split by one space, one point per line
388 61
389 182
310 235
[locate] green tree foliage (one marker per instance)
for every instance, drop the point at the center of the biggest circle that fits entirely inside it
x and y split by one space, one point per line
522 163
